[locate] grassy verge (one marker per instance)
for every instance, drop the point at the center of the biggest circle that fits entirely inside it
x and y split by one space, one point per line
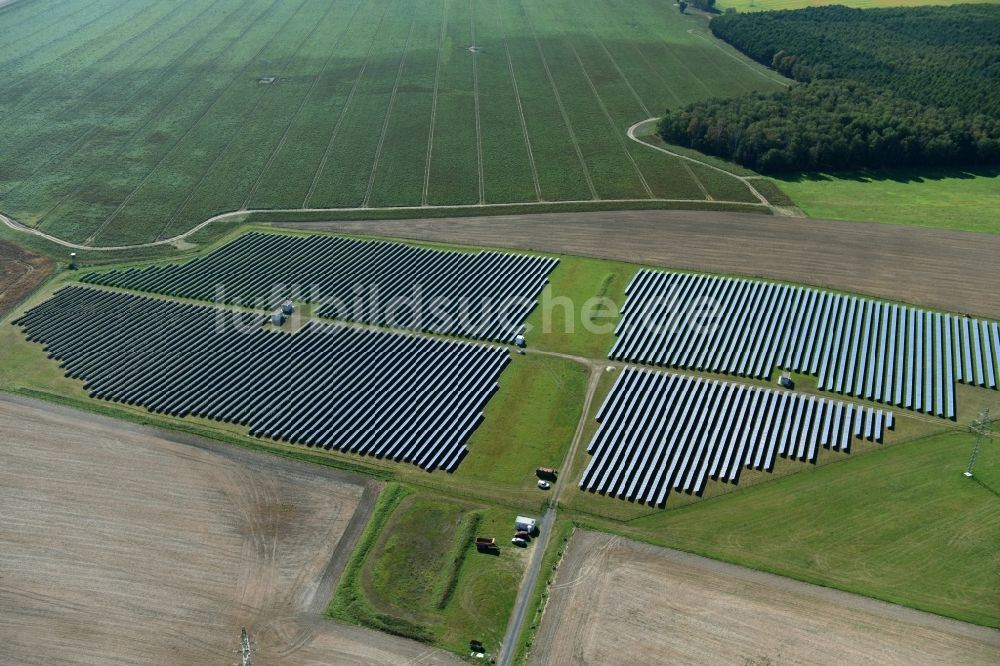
900 524
349 603
772 5
965 200
562 531
416 572
529 423
578 309
285 217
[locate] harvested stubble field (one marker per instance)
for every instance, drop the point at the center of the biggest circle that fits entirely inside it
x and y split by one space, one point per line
619 601
20 272
134 121
949 270
118 545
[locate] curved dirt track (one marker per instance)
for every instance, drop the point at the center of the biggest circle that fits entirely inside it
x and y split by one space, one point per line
950 270
622 602
124 544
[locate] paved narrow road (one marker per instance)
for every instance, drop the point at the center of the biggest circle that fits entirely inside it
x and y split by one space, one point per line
540 544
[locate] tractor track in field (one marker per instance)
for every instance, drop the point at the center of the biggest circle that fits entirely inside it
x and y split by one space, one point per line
298 110
195 125
434 104
611 121
343 112
562 109
388 113
520 107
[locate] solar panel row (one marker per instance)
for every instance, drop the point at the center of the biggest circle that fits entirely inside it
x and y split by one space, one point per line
402 397
484 295
870 349
661 432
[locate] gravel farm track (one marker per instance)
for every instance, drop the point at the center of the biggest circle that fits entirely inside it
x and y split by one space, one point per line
950 270
20 272
616 601
125 544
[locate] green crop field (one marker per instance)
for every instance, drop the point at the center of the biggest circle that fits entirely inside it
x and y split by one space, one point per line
951 199
128 122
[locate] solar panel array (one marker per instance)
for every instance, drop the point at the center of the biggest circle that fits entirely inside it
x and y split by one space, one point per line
870 349
662 431
402 397
484 295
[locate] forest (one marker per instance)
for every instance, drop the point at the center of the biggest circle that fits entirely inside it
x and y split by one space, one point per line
877 88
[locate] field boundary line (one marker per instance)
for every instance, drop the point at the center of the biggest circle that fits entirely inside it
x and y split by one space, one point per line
562 108
343 111
517 100
388 113
70 149
611 121
475 97
743 179
305 98
195 124
434 105
156 114
221 217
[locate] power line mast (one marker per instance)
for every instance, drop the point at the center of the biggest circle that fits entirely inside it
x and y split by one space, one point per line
981 428
245 647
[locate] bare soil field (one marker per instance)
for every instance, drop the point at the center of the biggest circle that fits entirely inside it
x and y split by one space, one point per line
20 272
950 270
622 602
125 544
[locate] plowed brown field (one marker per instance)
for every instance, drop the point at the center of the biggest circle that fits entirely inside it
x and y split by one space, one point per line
616 601
119 544
950 270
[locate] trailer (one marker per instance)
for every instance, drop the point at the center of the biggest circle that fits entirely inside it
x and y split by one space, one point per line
525 524
486 543
546 473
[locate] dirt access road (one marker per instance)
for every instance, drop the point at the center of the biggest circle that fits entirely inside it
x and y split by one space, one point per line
616 601
123 544
950 270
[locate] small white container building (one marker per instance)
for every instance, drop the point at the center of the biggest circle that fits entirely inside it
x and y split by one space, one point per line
525 524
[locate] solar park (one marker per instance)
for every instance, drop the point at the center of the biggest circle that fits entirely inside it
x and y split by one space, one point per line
879 351
390 395
481 295
662 431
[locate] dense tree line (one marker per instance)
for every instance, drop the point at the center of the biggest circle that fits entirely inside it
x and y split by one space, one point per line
945 56
880 88
833 125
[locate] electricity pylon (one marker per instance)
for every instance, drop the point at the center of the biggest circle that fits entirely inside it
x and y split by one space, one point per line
981 428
